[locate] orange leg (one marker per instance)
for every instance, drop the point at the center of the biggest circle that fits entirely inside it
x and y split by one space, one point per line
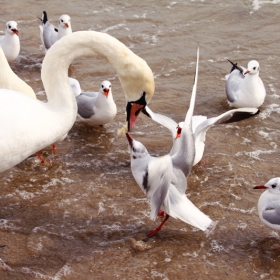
154 232
54 148
40 157
160 213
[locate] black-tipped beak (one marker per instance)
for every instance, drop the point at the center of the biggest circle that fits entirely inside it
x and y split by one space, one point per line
133 110
129 138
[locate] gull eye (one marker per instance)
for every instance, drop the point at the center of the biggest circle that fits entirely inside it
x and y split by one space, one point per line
273 186
110 86
62 20
102 86
9 26
254 68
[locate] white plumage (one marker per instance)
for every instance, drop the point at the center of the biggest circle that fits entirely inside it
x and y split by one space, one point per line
10 43
49 34
269 203
28 125
244 87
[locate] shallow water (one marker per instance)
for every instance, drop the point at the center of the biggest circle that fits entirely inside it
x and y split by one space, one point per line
75 216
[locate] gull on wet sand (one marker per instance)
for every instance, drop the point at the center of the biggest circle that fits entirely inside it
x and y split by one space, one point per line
244 87
9 42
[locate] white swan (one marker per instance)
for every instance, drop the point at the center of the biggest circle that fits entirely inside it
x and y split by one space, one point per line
10 41
49 34
9 80
29 125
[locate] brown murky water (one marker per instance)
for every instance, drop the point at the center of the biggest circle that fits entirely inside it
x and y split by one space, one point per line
74 216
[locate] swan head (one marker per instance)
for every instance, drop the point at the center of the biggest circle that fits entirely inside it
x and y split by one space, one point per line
138 84
65 21
11 27
105 88
253 67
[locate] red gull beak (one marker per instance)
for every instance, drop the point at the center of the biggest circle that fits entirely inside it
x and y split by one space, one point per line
15 31
179 130
66 24
246 72
129 138
260 187
106 92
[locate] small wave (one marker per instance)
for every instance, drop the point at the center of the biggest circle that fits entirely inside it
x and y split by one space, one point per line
231 207
270 109
242 226
216 247
114 27
4 266
7 225
63 272
256 154
35 274
257 4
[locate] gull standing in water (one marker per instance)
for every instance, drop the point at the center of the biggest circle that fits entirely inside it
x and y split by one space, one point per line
49 34
269 203
28 125
95 108
9 42
244 87
160 178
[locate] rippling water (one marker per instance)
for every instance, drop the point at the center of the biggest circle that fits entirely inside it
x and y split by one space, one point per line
76 216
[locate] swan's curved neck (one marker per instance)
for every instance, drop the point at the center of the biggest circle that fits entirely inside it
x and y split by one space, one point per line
133 72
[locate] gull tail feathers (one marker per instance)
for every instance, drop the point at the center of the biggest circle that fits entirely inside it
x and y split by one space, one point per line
180 207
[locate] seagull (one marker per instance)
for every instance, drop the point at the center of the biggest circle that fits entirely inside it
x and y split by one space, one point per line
200 125
28 125
163 179
9 80
269 203
95 108
157 179
244 87
49 34
10 41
